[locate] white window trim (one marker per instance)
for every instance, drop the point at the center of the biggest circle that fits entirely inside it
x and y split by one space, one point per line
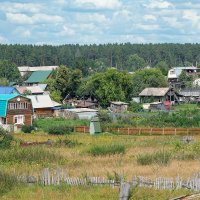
20 119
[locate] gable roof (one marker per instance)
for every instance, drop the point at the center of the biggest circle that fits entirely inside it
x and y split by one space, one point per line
157 92
33 89
42 101
118 103
38 76
8 90
4 98
36 68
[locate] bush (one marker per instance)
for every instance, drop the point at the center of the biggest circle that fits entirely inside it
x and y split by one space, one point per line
67 142
5 139
160 158
28 128
101 150
60 130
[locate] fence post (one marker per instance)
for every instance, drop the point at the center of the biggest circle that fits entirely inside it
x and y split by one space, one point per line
84 129
128 131
163 131
175 131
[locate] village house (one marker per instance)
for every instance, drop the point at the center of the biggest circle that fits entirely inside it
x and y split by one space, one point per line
118 106
43 105
27 69
149 95
15 110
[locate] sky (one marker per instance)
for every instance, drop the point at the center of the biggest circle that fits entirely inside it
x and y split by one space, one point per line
57 22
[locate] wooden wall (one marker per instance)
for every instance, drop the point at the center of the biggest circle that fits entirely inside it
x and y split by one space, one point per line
26 112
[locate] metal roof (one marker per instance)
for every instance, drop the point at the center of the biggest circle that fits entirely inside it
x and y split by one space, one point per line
159 92
36 68
42 101
118 103
4 98
8 90
38 76
33 89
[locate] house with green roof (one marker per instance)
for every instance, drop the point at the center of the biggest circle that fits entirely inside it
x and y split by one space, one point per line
38 77
15 109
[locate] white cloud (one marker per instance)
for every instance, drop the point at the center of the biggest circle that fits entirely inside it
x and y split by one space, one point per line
148 27
173 22
94 17
3 40
160 4
109 4
193 17
21 7
36 18
150 18
22 32
67 31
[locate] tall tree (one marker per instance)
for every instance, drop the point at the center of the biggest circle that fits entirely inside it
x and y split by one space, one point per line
109 86
9 70
147 78
135 62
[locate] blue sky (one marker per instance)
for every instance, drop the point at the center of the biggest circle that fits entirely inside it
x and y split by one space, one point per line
99 21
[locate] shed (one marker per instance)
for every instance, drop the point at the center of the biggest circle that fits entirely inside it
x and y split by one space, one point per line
158 94
84 113
118 106
95 126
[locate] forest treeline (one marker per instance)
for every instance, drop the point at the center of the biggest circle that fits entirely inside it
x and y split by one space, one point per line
98 57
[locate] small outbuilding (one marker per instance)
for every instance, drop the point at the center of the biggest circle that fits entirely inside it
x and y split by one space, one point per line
149 95
118 106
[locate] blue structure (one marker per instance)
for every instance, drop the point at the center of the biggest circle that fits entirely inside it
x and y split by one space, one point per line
8 90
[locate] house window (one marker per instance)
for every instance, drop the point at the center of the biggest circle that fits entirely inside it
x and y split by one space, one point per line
19 119
16 106
2 120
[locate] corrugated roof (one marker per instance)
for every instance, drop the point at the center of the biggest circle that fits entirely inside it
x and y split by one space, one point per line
42 101
118 103
33 89
4 101
36 68
8 90
38 76
159 92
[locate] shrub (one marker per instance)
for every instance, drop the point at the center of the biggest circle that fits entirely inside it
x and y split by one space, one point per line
60 130
27 128
5 139
69 143
160 158
101 150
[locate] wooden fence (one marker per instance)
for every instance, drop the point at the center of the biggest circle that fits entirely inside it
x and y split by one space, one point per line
59 176
145 131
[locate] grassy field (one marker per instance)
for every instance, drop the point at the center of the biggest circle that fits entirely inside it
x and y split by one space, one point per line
104 155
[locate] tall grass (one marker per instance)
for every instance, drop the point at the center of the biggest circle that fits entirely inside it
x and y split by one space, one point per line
29 155
7 183
101 150
160 158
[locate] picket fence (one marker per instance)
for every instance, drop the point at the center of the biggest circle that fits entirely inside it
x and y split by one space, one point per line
58 176
145 131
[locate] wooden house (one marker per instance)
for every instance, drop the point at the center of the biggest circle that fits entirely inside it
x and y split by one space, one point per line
118 106
43 105
149 95
15 109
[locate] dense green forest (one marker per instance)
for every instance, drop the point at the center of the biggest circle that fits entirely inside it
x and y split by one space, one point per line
99 57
